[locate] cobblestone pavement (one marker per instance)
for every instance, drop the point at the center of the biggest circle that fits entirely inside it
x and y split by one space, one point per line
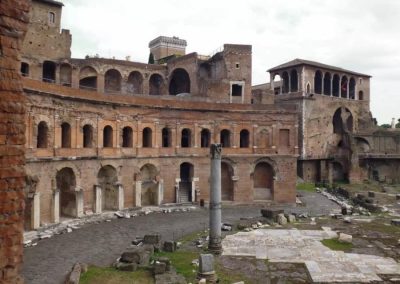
100 244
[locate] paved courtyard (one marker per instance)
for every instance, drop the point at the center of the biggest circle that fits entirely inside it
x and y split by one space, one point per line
100 244
304 246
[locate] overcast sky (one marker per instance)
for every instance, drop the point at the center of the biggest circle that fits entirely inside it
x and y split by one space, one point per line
360 35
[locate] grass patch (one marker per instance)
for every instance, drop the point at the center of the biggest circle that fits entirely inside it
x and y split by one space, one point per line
334 244
193 237
182 261
99 275
306 186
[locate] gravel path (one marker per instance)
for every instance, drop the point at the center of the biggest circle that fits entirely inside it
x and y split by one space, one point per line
100 244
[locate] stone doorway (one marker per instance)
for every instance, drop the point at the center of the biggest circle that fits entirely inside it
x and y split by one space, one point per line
149 185
185 184
227 185
263 182
66 186
110 189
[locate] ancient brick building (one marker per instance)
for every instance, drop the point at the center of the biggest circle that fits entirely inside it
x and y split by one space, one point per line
13 25
107 134
338 140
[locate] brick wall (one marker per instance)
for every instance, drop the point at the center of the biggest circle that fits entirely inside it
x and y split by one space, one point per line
13 24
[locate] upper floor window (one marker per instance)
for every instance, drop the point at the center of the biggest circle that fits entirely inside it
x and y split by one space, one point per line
52 18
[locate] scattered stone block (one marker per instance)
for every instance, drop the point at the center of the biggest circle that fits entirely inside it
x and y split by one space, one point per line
206 263
126 266
75 275
167 262
241 226
371 194
281 219
395 222
138 255
169 246
153 239
271 213
347 219
159 267
137 241
291 218
202 281
345 238
119 214
226 227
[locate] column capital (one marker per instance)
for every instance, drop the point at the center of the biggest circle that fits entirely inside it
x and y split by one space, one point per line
216 151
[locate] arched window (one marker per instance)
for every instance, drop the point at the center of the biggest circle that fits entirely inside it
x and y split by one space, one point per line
205 138
112 81
127 137
225 138
24 69
52 18
327 84
308 89
186 138
156 83
49 72
294 81
65 74
285 83
166 137
335 85
360 95
42 135
107 137
88 78
135 83
318 82
352 89
147 137
87 136
65 135
244 138
344 88
180 82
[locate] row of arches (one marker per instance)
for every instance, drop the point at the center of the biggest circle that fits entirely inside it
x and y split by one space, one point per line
68 197
113 80
147 139
335 85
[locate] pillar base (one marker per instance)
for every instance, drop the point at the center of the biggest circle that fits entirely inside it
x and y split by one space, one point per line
210 277
215 247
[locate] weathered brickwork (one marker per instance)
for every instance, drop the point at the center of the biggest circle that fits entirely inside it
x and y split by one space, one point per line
13 25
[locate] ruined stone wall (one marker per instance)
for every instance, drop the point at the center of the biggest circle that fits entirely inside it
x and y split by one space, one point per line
13 24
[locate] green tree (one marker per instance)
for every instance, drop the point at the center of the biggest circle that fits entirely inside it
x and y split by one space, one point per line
386 125
398 123
151 58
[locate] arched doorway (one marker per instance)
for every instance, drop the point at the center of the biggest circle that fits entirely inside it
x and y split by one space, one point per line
149 189
180 82
226 182
66 184
42 135
107 180
263 182
156 83
342 121
339 174
185 185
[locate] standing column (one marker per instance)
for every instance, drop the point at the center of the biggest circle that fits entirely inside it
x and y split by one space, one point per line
98 199
56 206
214 244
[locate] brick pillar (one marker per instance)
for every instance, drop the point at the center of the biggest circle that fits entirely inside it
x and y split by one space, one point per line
13 24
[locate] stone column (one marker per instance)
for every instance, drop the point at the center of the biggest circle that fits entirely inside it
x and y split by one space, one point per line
98 199
138 193
196 135
117 134
120 196
194 180
214 244
254 138
35 211
160 193
79 202
177 181
30 129
78 140
56 206
235 141
156 136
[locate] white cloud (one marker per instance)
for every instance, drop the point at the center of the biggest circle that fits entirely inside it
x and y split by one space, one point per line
361 35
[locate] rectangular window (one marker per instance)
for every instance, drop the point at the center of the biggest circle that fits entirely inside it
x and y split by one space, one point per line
52 18
284 135
236 90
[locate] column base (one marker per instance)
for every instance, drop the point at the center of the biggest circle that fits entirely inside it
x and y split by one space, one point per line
215 247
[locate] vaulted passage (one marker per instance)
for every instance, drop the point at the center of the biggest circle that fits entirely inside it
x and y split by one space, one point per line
42 135
318 82
135 83
352 89
148 175
112 81
342 121
156 83
327 84
285 83
180 82
88 78
294 81
185 185
335 85
344 88
339 175
205 138
263 180
66 184
226 182
49 72
107 180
